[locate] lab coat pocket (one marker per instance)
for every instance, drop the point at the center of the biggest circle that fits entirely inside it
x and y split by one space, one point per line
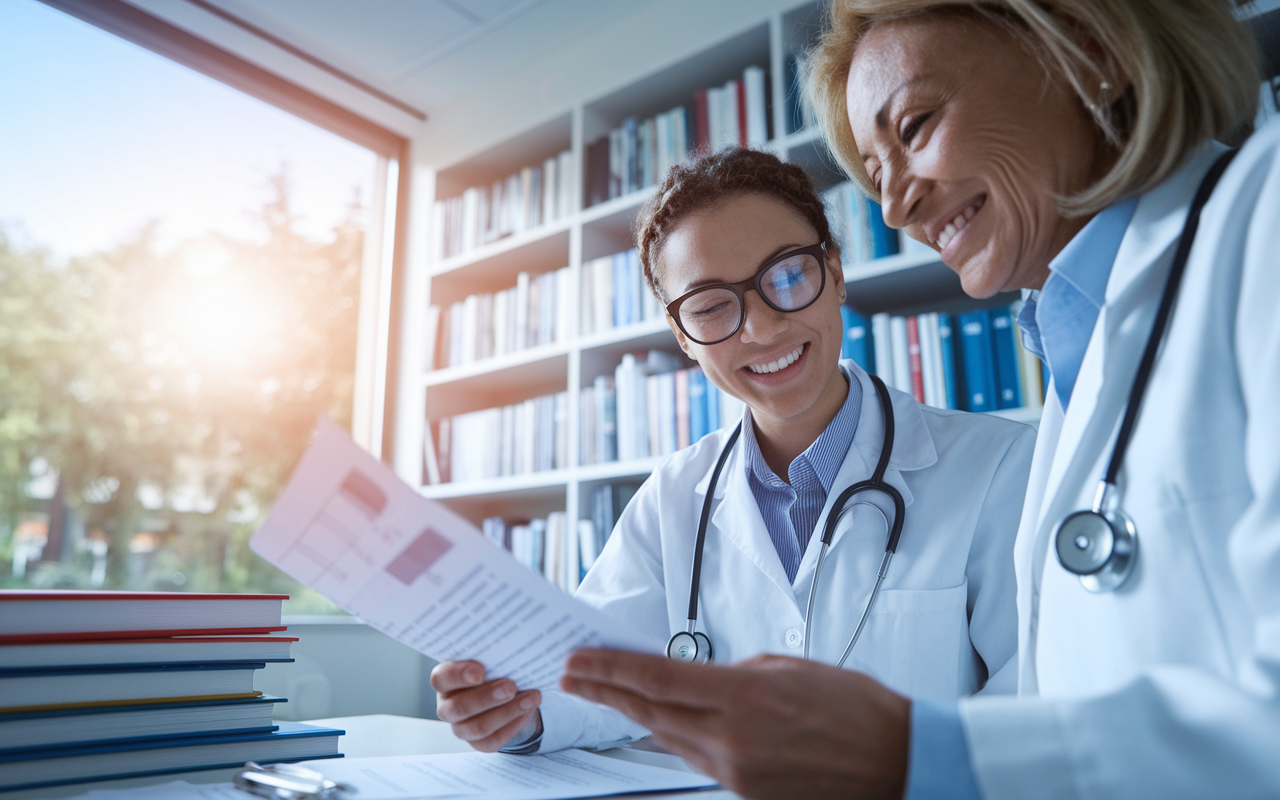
921 642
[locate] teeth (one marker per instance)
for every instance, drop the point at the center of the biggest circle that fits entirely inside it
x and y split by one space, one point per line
774 366
954 226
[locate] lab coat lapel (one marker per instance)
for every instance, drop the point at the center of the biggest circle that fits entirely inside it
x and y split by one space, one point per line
913 449
1077 449
737 518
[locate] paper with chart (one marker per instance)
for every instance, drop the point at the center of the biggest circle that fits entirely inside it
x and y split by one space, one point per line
494 776
350 529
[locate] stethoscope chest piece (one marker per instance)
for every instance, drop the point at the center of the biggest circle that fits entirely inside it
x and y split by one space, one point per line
1100 547
692 648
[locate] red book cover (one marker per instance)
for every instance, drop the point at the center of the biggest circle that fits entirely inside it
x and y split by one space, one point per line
701 127
913 351
742 113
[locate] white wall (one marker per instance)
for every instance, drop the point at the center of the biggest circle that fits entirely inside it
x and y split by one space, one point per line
345 668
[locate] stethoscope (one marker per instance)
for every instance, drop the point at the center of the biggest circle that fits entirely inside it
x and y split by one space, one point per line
1101 545
695 646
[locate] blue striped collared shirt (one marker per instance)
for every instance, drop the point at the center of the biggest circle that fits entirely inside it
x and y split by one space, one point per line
791 512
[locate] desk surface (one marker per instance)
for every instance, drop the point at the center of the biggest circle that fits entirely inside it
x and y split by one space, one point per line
372 735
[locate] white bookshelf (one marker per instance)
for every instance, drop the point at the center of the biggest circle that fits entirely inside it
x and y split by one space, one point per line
910 283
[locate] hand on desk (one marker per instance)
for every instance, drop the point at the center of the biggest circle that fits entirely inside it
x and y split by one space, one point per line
485 714
767 727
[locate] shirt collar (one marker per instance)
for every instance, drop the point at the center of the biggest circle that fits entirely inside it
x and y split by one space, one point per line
825 455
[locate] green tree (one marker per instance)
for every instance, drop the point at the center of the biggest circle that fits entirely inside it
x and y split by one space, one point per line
204 366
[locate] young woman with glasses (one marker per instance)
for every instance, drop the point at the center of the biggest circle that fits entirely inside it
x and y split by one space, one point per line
737 246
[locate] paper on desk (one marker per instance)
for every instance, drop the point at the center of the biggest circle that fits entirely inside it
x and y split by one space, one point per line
569 773
350 529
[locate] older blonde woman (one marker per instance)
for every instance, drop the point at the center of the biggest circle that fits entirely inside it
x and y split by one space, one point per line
1056 146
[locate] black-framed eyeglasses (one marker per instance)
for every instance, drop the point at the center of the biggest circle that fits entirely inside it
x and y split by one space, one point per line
789 282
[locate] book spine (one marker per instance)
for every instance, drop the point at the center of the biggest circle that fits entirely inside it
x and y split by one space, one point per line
697 382
753 78
1008 391
882 341
950 374
913 353
979 371
901 354
740 103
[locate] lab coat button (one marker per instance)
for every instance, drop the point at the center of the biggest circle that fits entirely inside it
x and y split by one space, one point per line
793 638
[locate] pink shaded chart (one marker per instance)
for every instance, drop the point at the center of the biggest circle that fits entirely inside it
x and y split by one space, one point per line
343 535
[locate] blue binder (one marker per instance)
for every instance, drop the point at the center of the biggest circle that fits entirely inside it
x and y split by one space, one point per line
884 240
979 355
949 372
1008 391
857 339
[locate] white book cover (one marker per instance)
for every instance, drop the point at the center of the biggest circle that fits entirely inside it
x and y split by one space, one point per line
715 116
729 125
931 360
561 405
509 435
550 191
565 173
587 425
757 121
901 354
602 270
501 322
653 405
624 375
667 439
663 145
587 293
572 559
470 328
522 311
882 342
565 304
438 231
681 135
587 543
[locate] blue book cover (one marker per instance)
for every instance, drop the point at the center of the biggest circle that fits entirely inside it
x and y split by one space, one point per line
621 300
857 339
884 240
950 374
1008 391
979 356
713 405
293 741
697 405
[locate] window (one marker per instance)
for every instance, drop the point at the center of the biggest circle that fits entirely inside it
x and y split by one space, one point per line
180 296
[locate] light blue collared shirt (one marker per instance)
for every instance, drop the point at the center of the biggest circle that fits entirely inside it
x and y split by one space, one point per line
791 511
1057 323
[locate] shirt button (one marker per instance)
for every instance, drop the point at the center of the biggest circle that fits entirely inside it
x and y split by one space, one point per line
794 638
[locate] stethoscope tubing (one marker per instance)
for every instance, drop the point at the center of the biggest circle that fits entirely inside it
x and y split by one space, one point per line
838 510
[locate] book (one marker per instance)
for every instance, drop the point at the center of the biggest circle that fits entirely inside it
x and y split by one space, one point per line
698 420
105 652
951 375
38 730
856 344
48 615
882 344
979 369
292 741
753 81
900 348
1005 358
913 359
50 688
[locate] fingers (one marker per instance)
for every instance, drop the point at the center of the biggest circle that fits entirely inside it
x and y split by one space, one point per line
487 716
449 676
655 716
656 678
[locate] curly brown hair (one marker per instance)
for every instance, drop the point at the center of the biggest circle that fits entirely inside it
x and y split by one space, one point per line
708 180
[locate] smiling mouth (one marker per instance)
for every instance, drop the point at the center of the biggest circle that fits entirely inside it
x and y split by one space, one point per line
780 364
958 222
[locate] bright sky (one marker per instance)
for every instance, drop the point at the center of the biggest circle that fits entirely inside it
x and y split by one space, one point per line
98 136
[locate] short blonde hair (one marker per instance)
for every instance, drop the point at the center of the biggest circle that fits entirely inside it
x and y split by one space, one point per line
1187 69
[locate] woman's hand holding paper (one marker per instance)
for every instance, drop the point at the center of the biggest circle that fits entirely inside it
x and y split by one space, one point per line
485 714
769 726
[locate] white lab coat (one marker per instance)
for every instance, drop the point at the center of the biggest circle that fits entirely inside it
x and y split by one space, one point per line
1166 688
945 618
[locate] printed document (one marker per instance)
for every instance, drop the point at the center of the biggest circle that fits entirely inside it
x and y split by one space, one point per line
494 776
349 528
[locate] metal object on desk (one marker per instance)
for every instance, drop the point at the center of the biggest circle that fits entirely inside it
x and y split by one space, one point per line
289 782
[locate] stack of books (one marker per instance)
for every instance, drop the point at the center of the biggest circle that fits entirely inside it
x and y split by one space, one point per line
536 311
525 200
550 548
651 406
638 153
102 685
973 361
518 439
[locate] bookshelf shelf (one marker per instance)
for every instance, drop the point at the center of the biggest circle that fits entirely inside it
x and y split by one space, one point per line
911 283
